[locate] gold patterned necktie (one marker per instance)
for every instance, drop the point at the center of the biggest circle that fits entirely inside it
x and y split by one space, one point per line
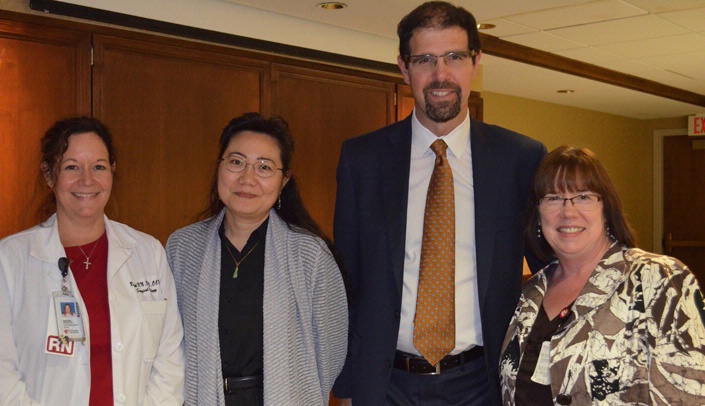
434 323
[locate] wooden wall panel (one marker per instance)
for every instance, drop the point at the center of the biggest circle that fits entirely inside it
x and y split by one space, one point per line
323 109
405 102
44 76
166 106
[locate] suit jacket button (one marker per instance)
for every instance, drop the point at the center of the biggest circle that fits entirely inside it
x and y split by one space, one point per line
388 364
397 314
564 399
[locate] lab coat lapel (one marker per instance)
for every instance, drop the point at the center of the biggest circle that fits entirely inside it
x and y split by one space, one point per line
47 248
120 247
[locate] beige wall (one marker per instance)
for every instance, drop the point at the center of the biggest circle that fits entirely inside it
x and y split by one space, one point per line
623 145
17 5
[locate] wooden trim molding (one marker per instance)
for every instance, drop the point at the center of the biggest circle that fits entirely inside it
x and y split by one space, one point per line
490 45
126 20
520 53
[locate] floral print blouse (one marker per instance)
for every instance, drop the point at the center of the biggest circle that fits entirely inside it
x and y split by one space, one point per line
637 335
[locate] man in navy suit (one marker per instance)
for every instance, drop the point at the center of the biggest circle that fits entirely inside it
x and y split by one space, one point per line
383 179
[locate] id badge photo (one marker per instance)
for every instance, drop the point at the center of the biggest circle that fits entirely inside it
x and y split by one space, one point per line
69 320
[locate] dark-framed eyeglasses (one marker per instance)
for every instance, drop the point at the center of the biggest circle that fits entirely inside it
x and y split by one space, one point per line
264 168
583 202
451 59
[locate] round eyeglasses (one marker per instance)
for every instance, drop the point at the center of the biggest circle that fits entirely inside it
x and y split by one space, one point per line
452 60
264 168
583 202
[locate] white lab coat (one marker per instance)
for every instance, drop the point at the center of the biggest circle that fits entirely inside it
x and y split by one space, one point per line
146 331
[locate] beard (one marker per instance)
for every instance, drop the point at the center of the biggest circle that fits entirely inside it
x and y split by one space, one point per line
445 111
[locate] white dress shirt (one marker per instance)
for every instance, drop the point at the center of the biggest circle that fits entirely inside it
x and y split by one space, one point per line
468 327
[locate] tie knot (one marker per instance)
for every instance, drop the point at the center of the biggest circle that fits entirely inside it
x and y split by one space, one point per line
439 147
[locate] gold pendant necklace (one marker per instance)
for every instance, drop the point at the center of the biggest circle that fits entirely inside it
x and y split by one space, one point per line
237 263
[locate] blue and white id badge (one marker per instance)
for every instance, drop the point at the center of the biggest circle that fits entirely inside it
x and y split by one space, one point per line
69 320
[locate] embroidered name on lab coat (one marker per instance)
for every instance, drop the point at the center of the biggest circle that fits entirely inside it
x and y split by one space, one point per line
146 285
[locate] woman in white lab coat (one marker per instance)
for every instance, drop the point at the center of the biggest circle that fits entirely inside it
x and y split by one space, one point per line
123 342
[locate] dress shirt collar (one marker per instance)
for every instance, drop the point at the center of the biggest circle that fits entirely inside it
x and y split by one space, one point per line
458 140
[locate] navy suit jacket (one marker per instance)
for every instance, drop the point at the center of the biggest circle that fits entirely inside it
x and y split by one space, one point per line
370 233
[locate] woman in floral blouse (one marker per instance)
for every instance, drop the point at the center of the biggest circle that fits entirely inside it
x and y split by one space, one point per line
604 323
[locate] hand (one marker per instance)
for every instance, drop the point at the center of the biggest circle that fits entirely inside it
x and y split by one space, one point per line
345 402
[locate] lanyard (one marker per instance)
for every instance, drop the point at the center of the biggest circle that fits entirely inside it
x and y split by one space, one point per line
69 321
64 269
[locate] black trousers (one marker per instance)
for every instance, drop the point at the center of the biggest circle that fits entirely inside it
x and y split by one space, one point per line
253 396
465 385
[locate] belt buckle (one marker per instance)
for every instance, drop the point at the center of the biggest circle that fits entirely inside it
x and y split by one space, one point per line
408 367
436 372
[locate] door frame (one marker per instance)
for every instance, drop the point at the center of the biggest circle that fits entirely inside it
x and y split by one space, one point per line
658 185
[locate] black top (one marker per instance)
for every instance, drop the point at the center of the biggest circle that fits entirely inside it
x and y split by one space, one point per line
528 392
240 318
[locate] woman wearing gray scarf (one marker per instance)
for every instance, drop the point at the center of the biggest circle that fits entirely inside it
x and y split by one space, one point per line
261 296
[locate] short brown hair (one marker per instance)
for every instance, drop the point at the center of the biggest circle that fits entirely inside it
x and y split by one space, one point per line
571 169
437 14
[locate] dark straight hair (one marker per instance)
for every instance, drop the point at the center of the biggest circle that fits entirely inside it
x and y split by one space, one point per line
292 209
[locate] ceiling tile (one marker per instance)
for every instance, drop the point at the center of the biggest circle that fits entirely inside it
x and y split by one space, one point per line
577 15
590 55
627 29
693 20
630 66
672 79
543 41
662 6
505 27
485 10
675 44
681 64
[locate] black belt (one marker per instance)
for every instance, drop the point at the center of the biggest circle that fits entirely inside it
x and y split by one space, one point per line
241 382
418 365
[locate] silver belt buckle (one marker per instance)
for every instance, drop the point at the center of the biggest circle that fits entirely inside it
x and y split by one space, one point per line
408 367
436 372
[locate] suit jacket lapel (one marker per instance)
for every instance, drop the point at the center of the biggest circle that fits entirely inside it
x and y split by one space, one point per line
484 165
395 194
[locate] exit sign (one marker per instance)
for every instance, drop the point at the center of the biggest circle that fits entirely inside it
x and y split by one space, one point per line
696 125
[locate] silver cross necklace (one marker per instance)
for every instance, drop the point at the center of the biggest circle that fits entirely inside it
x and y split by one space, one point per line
88 262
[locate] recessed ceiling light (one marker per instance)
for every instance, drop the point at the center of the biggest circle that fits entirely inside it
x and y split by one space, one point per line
485 26
332 5
565 91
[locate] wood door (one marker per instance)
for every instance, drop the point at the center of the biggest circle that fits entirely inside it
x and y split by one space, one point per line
684 201
167 105
323 109
44 76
